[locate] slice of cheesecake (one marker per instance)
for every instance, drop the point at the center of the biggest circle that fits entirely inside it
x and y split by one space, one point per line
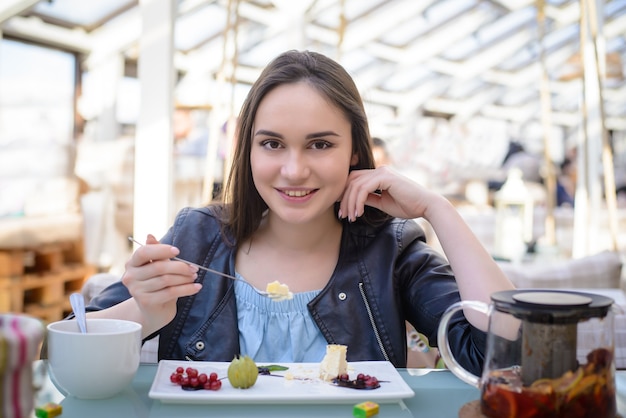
334 363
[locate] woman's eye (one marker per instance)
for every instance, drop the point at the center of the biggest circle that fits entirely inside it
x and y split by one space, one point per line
321 145
271 144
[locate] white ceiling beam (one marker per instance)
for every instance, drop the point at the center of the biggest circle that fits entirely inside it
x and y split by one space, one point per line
374 74
569 119
615 94
485 59
10 8
442 105
247 75
564 15
615 27
384 19
190 6
471 106
532 72
321 34
115 37
267 17
382 97
517 114
415 98
434 43
513 5
482 61
616 123
35 30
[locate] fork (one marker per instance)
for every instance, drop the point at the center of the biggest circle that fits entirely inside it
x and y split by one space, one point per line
270 295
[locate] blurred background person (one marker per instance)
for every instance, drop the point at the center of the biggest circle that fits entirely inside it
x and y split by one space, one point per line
566 182
191 136
380 151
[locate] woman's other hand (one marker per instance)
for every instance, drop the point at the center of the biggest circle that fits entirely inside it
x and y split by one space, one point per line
387 190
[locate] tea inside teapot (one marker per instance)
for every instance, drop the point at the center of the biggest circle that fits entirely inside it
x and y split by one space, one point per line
587 392
550 380
536 363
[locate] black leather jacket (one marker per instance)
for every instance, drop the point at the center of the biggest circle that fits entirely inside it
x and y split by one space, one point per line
384 275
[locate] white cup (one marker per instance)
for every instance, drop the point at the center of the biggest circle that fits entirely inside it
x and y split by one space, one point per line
96 365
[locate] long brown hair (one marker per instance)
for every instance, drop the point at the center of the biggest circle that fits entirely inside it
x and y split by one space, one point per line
244 206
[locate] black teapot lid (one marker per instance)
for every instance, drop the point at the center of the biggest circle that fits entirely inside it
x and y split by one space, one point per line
551 306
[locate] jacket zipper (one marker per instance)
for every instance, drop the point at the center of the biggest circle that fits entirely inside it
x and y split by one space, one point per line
371 317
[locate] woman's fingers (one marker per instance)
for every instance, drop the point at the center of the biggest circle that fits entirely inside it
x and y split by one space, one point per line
349 199
383 189
161 295
151 274
363 187
161 273
161 282
155 282
152 252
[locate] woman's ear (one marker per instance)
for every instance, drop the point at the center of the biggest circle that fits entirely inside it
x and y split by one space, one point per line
354 160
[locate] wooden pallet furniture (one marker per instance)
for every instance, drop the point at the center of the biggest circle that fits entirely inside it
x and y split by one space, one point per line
38 281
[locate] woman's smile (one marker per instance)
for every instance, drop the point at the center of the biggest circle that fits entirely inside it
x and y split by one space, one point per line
296 193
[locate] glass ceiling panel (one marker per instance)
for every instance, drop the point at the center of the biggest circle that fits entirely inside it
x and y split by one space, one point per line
404 80
81 12
355 60
444 10
195 28
506 24
402 34
392 46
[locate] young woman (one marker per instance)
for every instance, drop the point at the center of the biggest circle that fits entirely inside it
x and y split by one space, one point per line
304 205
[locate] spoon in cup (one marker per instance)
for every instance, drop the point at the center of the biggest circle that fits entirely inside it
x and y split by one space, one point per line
78 306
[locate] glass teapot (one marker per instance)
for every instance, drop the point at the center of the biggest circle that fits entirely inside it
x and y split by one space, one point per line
549 353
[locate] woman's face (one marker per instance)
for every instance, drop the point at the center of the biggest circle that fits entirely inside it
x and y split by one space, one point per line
301 152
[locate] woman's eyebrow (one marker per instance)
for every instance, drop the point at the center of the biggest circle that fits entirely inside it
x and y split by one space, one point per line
267 133
309 136
321 134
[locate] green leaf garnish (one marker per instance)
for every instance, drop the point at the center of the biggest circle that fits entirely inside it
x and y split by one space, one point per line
274 368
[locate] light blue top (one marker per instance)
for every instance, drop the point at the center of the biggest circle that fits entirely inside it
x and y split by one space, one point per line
277 331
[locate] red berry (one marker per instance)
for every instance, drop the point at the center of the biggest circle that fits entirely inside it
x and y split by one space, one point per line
192 378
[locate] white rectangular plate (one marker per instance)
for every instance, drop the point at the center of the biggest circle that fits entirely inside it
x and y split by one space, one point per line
305 387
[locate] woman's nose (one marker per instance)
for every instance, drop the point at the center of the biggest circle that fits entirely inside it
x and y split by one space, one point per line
295 166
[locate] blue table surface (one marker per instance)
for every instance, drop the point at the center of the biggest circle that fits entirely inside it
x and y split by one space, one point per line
438 394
